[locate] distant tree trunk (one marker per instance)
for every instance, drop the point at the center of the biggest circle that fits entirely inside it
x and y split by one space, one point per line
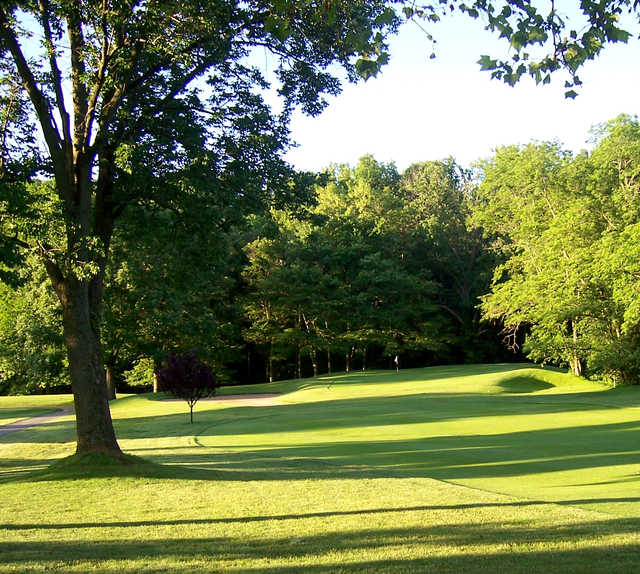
298 361
156 367
576 365
364 358
575 362
314 360
326 325
111 387
270 363
348 358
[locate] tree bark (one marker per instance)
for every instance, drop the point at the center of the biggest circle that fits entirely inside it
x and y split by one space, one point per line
576 363
270 364
348 357
94 426
314 360
111 388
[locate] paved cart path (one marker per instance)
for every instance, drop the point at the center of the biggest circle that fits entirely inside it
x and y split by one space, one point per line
40 419
263 400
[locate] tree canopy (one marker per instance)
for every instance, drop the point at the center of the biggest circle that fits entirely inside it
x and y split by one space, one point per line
566 227
113 87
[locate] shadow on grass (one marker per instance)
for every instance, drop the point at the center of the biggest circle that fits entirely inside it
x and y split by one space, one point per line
375 377
302 516
596 546
448 457
340 413
452 458
523 385
444 457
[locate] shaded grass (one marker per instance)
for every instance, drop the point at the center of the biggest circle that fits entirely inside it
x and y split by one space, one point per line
453 469
423 525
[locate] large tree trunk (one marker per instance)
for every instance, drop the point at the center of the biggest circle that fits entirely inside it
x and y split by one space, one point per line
93 417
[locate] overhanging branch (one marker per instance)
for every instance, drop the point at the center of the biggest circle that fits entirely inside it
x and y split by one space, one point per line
38 99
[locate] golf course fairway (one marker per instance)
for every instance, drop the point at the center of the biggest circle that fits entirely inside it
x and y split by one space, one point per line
477 468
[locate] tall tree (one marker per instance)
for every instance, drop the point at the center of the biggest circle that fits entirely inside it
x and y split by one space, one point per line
113 87
567 227
437 199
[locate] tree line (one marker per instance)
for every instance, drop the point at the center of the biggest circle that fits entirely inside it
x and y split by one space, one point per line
358 265
531 252
566 228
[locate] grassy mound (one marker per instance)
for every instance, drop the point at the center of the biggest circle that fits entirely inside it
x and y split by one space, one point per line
523 384
92 465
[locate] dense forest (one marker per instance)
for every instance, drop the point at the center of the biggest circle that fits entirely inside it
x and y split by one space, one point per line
532 252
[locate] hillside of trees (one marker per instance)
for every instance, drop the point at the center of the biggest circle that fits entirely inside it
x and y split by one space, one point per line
534 251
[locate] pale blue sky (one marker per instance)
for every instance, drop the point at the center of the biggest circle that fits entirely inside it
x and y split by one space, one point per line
421 109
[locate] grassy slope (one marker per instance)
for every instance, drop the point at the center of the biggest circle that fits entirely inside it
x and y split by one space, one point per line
451 469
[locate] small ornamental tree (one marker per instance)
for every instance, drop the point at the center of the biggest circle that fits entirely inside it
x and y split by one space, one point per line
187 378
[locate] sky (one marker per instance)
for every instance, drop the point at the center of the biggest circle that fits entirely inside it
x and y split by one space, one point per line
422 109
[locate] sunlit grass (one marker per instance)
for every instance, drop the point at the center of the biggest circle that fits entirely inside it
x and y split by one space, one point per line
453 469
36 401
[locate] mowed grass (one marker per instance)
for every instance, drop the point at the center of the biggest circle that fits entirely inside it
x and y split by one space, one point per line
501 468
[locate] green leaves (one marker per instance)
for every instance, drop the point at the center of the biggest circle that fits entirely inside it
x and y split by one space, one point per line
550 40
487 63
567 227
369 67
380 262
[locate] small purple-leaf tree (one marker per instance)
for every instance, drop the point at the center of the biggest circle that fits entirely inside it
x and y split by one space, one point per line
187 378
